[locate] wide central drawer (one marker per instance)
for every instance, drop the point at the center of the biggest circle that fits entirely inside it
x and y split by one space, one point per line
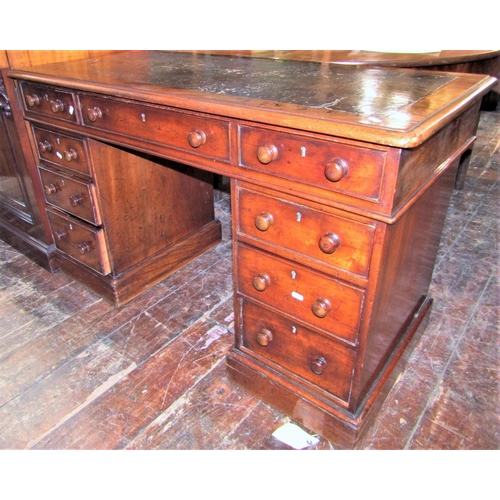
312 356
339 242
202 135
326 303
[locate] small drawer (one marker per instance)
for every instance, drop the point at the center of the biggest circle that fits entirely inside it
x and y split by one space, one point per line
45 100
312 356
339 242
204 136
347 169
317 299
79 240
71 195
63 150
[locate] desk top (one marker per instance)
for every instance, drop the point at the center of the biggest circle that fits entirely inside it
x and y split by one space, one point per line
395 107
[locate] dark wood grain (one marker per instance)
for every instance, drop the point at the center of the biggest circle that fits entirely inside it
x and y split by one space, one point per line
379 147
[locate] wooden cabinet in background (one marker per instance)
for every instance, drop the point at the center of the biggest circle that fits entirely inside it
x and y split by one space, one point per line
21 221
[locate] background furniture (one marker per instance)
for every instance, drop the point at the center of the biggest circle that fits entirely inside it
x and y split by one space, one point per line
21 223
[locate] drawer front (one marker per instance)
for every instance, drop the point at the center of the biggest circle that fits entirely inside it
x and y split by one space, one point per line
62 150
188 132
45 100
323 302
339 242
81 241
347 169
71 195
310 355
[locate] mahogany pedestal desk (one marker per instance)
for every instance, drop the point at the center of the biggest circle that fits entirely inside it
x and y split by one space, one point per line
340 183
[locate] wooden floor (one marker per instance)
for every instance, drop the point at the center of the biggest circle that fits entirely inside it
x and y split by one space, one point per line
77 373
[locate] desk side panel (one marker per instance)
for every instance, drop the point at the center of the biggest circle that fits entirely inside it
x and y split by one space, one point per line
404 275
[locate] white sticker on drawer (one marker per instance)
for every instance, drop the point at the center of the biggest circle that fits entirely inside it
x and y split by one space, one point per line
294 436
297 296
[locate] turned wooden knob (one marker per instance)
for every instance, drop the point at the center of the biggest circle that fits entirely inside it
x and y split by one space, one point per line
75 200
59 235
197 138
336 170
70 155
329 242
33 100
261 282
321 307
50 189
44 146
266 154
264 221
94 114
318 365
264 337
84 248
57 106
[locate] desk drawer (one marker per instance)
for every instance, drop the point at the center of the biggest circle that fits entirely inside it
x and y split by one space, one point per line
71 195
79 240
347 169
317 299
310 355
45 100
62 150
339 242
197 134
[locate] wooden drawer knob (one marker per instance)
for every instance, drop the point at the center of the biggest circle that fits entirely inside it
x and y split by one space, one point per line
336 170
264 337
197 138
318 365
75 200
57 106
44 146
59 235
264 221
268 153
33 100
70 155
261 282
84 248
328 243
94 114
51 189
321 307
